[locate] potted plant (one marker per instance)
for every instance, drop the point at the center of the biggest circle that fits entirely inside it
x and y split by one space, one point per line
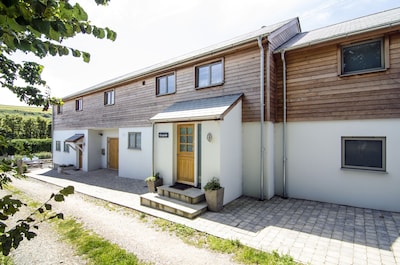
214 195
153 182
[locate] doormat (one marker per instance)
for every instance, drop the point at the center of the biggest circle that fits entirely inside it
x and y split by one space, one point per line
181 186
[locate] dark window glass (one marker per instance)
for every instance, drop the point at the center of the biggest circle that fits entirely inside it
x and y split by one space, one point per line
209 75
361 57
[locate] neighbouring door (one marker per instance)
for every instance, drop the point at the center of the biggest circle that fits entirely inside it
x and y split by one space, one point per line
185 161
112 153
80 156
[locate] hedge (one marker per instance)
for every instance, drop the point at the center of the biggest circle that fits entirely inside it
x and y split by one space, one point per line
29 146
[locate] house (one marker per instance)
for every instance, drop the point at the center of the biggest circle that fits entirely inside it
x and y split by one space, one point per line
311 115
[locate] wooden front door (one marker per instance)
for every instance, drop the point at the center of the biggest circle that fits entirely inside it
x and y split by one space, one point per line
185 161
113 153
80 156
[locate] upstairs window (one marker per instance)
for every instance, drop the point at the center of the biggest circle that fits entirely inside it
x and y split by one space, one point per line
165 84
135 140
362 57
59 109
209 75
79 104
109 97
364 153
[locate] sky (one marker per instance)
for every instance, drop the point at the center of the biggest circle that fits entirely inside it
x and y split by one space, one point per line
153 31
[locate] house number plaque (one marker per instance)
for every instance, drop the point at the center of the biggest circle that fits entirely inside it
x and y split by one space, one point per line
163 135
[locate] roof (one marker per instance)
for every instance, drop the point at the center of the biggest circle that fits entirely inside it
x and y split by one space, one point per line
385 19
74 138
241 40
214 108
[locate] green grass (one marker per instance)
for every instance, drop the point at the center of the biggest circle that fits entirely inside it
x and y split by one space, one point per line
89 244
26 111
241 253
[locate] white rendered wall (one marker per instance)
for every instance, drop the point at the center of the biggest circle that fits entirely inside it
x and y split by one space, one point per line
211 153
61 157
314 164
231 154
94 142
252 159
164 152
135 163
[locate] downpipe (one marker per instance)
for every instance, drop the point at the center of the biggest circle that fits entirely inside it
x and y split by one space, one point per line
262 105
284 125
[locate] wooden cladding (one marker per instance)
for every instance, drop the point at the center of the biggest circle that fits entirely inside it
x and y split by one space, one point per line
316 91
136 102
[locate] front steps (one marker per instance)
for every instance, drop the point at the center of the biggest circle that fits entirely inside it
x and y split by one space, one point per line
188 203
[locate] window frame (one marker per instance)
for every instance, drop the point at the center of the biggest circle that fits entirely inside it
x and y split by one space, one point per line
79 104
135 135
166 77
107 97
58 146
66 147
384 56
209 66
59 109
363 138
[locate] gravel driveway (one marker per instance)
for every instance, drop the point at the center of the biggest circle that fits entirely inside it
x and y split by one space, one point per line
126 230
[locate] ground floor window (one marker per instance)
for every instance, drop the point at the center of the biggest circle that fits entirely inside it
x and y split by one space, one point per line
66 147
58 146
364 153
135 140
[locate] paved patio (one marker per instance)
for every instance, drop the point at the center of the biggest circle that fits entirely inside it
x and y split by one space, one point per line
311 232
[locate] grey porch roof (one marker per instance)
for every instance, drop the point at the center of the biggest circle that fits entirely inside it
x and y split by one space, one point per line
74 138
385 19
199 109
229 44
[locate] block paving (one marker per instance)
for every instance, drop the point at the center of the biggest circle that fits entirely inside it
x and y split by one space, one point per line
311 232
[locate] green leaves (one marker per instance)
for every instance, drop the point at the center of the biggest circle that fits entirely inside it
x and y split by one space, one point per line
39 27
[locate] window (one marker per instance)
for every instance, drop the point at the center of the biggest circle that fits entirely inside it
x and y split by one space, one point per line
66 147
58 146
109 97
363 57
165 85
135 140
79 104
59 109
209 75
364 153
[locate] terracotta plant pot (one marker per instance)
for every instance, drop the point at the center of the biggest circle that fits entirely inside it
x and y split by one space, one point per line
215 199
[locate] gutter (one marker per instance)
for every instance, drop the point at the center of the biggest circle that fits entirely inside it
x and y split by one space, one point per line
262 106
284 124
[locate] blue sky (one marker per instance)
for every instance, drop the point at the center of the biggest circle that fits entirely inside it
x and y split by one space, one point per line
153 31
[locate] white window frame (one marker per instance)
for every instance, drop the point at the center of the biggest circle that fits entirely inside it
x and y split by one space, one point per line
58 145
363 152
210 82
384 58
66 147
168 83
136 142
79 104
109 97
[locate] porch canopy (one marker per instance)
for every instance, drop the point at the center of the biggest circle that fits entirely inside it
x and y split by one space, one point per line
214 108
74 138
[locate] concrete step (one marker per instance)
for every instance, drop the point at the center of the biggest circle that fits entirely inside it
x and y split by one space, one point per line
191 195
171 205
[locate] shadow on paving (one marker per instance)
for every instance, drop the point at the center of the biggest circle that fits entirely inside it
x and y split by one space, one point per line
105 178
374 228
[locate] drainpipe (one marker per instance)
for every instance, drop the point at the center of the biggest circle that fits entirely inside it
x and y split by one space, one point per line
152 149
260 45
284 123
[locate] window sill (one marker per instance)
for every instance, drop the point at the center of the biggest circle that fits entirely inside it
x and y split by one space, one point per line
364 72
384 172
166 94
